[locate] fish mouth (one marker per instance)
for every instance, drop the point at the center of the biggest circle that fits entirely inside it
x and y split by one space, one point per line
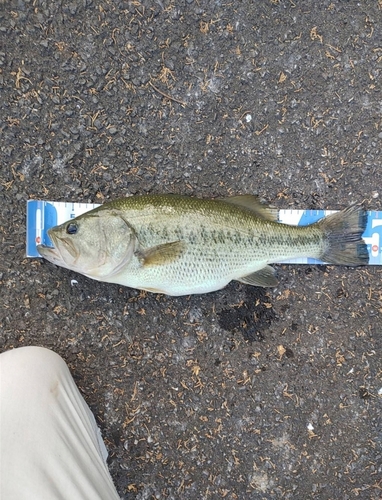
51 254
60 252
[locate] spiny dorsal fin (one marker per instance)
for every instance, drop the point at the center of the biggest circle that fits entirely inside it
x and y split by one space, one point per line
161 254
252 202
264 277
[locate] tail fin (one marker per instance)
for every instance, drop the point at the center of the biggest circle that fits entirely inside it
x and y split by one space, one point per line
343 237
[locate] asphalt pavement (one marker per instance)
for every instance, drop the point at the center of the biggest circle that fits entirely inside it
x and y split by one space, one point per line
244 393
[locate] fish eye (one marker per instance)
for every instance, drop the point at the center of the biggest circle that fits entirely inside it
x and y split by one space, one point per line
71 228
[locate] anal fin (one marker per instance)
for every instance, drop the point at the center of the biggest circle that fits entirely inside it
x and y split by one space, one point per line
265 277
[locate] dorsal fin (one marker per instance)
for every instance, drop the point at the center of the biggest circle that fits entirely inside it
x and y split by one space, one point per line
252 202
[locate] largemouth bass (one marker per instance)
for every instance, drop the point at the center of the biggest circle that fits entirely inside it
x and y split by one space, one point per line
179 245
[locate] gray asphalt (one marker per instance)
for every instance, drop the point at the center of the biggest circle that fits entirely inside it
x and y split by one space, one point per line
242 393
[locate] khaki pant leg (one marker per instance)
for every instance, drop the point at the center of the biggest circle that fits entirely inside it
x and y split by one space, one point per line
50 445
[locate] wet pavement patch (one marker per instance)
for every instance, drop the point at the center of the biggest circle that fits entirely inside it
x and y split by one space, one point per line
250 317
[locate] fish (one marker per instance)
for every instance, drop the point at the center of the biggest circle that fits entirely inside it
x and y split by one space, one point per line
180 245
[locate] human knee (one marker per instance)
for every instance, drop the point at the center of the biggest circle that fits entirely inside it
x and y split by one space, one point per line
30 360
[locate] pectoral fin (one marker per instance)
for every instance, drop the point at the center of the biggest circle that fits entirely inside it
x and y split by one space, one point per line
252 202
264 277
161 254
